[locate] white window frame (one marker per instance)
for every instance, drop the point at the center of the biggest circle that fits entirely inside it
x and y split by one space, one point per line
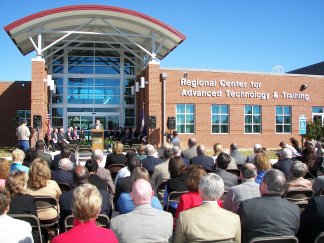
185 114
252 123
283 115
220 114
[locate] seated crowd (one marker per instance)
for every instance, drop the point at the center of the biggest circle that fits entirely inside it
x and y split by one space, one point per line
181 196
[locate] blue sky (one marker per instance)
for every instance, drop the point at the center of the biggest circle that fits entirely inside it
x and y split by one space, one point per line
240 35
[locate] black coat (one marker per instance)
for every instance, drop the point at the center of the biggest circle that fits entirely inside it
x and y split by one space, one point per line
203 160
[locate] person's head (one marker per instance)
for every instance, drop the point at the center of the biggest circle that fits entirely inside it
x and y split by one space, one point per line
167 153
149 150
40 145
298 169
66 153
262 161
273 182
176 166
282 145
286 153
92 166
65 164
223 160
16 183
141 149
97 155
142 192
211 187
30 154
257 148
4 201
132 163
176 150
18 155
201 149
248 171
4 168
174 133
308 145
192 142
80 175
39 174
218 148
86 202
117 148
195 173
97 122
139 173
234 147
294 142
24 122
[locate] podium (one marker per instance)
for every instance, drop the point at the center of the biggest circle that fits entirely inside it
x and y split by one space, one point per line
97 136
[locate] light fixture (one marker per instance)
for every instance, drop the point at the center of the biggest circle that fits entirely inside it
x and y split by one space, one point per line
142 86
303 87
54 90
185 75
133 90
52 85
164 76
137 86
49 77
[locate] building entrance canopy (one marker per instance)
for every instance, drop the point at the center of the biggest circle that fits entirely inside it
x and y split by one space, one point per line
147 38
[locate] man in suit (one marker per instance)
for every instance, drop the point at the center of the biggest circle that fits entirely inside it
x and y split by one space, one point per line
195 224
248 189
94 179
150 161
161 172
234 153
177 151
318 185
257 148
202 159
80 177
311 220
192 149
284 162
270 214
229 179
40 146
64 174
144 223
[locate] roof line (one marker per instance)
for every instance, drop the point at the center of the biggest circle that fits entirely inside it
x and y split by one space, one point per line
92 7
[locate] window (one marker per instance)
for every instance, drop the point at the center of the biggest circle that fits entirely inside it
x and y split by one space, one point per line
318 114
220 118
57 117
129 117
24 115
185 118
283 119
252 119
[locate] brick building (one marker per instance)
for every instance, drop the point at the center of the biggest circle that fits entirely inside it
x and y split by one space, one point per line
98 62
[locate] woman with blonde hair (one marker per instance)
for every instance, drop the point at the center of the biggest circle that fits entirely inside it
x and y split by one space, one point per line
40 184
218 148
4 171
117 156
263 164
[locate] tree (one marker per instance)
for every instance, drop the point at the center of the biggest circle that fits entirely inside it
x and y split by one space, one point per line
314 130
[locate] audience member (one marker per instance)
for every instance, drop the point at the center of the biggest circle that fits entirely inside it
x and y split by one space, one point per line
12 230
86 205
177 181
125 172
125 203
17 161
94 179
295 144
284 162
30 155
177 151
318 185
40 184
64 173
270 214
40 148
23 134
309 157
257 148
218 148
234 153
202 159
141 152
65 153
229 179
248 189
311 220
103 173
117 156
161 171
263 164
284 145
196 224
4 171
192 149
297 171
150 161
174 137
144 223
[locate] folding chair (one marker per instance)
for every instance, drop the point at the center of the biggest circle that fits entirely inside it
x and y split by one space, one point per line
114 168
136 146
297 195
160 191
126 150
102 221
234 172
85 150
174 197
64 186
319 238
34 223
274 239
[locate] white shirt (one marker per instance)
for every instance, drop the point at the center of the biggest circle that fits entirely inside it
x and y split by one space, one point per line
123 172
14 230
23 132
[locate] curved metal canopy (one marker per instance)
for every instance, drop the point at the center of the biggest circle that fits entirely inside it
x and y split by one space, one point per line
146 37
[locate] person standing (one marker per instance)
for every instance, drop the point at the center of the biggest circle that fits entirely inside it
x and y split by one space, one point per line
23 134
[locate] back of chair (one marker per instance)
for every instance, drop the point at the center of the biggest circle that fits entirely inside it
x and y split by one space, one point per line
274 239
64 186
160 190
136 146
126 150
296 195
174 197
85 150
102 221
319 238
34 223
234 171
114 168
